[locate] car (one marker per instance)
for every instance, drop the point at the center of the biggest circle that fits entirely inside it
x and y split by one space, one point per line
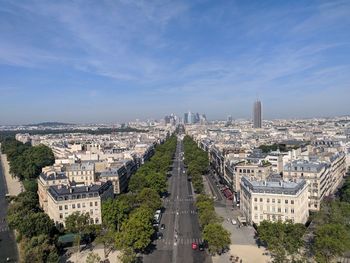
194 246
234 222
159 235
201 246
162 226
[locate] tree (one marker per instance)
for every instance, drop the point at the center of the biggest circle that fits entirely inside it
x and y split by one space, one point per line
30 185
208 217
31 224
157 181
107 238
149 198
137 230
27 164
128 255
217 237
93 258
331 240
77 222
137 182
282 238
38 249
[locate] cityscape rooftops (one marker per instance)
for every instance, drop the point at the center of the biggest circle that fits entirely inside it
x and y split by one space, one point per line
62 191
53 176
273 186
80 166
304 166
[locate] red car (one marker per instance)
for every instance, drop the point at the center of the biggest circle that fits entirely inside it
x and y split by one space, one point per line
194 246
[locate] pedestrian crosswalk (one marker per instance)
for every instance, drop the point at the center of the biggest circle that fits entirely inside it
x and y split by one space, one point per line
179 241
4 228
184 212
343 260
179 200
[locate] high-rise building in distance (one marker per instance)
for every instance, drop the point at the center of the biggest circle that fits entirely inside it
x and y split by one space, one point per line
257 114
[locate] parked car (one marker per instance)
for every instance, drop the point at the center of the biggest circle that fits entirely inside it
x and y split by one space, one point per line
234 222
194 246
162 226
201 246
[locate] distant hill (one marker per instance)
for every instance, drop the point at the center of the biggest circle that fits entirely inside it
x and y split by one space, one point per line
50 124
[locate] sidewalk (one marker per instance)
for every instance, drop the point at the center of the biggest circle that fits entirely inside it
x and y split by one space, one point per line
14 186
81 257
243 244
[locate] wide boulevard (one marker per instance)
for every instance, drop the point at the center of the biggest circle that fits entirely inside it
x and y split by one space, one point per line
180 219
8 247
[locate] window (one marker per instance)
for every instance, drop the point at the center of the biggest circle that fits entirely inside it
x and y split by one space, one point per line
279 201
96 220
61 216
286 201
273 200
255 208
292 210
60 207
73 206
255 199
78 205
286 210
261 199
96 203
268 200
91 212
91 204
292 202
66 207
279 210
83 204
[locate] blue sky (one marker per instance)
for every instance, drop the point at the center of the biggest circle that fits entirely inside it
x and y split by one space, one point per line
111 61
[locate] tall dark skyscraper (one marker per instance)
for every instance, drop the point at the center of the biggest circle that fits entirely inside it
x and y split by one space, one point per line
257 114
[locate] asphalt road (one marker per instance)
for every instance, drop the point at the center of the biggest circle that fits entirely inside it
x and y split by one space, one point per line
181 221
8 248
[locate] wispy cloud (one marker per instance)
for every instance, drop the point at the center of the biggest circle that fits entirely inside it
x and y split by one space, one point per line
177 51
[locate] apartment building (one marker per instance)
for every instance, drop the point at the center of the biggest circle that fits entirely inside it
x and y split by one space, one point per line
254 171
276 160
337 163
315 173
81 173
47 179
118 177
64 200
274 200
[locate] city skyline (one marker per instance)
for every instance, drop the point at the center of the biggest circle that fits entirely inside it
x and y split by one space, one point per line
108 62
257 112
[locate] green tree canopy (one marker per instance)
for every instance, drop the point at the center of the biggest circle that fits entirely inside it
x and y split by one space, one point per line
149 198
217 237
137 230
331 240
77 222
282 238
38 249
